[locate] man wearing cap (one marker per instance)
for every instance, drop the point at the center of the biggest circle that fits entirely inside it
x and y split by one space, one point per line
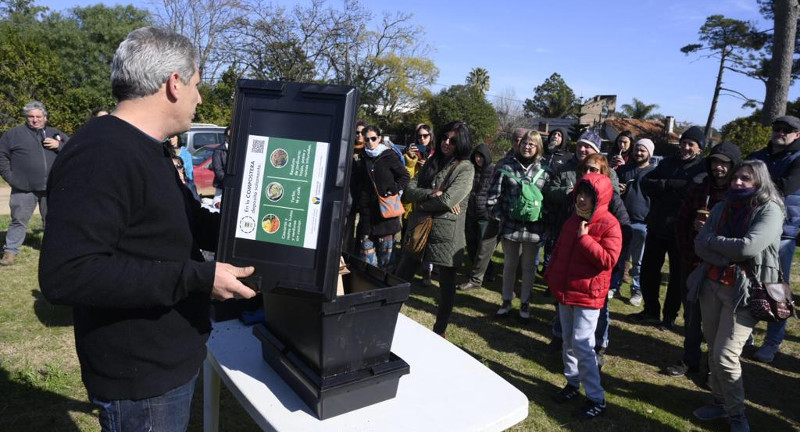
782 156
703 192
27 153
666 186
638 206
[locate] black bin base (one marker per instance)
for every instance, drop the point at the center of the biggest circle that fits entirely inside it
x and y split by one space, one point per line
337 394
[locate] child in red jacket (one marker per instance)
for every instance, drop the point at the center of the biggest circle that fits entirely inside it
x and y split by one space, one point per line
579 276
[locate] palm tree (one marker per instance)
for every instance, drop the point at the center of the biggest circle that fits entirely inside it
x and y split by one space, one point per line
479 78
640 110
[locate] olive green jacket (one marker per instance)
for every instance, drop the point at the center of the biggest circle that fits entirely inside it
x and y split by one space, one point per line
446 240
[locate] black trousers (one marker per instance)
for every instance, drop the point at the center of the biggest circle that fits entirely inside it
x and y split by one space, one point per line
447 288
656 248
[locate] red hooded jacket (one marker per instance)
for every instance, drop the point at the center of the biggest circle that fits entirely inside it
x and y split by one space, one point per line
579 273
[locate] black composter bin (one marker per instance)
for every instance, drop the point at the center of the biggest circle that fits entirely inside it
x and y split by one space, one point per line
283 209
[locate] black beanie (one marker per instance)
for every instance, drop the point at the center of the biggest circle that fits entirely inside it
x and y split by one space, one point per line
696 134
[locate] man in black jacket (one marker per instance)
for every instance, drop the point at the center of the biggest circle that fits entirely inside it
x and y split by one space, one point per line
27 153
666 187
123 243
481 230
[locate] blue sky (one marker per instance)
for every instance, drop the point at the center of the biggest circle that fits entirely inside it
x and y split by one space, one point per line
630 48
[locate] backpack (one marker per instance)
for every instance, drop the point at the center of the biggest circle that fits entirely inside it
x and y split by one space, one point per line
528 206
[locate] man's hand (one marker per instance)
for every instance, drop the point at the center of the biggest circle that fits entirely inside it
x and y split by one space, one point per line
227 285
583 228
51 143
456 209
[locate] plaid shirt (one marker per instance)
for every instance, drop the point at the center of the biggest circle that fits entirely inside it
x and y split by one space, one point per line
504 192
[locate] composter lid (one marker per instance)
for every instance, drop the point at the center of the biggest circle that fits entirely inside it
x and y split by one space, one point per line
286 183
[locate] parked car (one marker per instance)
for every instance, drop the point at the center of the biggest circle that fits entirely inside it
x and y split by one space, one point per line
201 135
203 172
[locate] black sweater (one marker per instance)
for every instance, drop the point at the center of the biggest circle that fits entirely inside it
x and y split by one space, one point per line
121 247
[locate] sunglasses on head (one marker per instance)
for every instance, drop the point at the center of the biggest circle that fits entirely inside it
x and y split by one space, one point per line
372 139
784 129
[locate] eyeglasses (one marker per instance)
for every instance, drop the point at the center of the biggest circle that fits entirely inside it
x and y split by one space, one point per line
372 139
591 169
179 166
783 129
423 135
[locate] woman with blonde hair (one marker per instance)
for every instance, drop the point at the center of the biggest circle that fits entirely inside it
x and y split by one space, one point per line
521 237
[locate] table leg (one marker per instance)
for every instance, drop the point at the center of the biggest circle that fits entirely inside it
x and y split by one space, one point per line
210 398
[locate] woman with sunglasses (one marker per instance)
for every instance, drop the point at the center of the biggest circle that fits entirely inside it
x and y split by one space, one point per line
379 171
415 156
441 190
741 235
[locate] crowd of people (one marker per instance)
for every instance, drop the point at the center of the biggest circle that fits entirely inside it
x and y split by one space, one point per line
129 261
593 220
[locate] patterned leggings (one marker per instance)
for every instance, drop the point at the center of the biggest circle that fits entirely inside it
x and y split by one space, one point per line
377 251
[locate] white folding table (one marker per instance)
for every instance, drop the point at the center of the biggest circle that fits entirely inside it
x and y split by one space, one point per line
447 389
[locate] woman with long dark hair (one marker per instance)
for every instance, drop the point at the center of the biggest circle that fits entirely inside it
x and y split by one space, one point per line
621 150
441 190
379 172
738 243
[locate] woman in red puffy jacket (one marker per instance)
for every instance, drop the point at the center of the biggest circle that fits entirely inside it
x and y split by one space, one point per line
579 275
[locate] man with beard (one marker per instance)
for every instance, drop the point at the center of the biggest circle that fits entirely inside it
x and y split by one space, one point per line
702 194
638 206
782 156
666 186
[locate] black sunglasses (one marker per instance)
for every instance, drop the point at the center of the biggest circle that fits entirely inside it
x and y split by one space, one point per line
423 135
372 139
591 169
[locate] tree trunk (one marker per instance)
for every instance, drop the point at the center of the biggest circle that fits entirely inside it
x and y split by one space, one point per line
780 68
723 57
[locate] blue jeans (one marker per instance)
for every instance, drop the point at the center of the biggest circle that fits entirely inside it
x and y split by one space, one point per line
22 205
165 413
600 332
777 330
580 360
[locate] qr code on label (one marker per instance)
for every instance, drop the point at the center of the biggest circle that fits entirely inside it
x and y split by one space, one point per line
258 146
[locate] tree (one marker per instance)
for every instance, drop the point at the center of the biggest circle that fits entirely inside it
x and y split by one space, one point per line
208 24
479 78
510 114
552 99
780 68
466 104
747 133
639 110
725 39
388 63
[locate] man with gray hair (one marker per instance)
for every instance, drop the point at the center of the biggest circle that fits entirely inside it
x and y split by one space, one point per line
123 240
27 153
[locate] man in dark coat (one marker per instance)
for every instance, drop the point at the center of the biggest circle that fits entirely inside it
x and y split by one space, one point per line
27 153
666 187
782 156
702 194
482 230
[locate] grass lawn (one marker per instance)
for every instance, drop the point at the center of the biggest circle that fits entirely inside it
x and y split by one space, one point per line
39 368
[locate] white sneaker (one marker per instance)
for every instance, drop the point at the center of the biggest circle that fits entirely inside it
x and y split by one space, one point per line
504 310
636 298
